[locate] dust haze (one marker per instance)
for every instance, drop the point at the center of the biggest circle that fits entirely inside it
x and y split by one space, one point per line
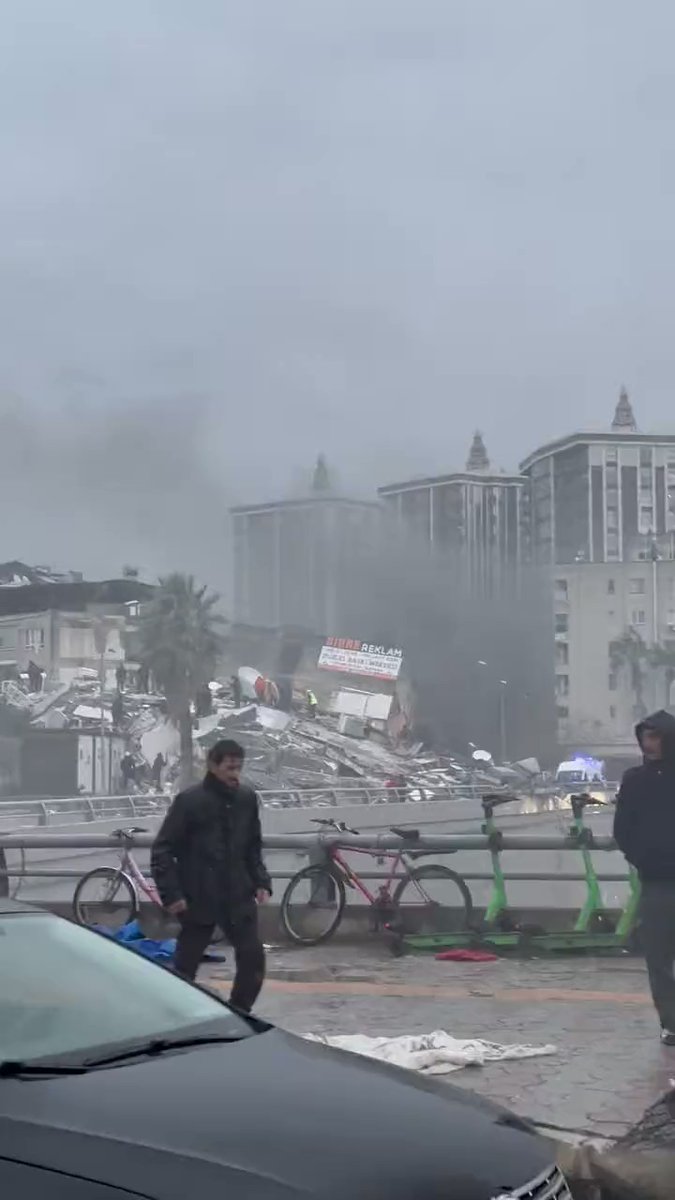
236 235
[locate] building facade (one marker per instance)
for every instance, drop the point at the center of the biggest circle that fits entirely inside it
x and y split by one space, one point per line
600 508
58 625
292 559
475 516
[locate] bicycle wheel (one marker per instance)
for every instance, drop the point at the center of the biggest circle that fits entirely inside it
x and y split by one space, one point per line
312 905
433 899
105 896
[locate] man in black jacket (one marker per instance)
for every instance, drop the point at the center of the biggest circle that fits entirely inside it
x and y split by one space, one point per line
208 867
644 828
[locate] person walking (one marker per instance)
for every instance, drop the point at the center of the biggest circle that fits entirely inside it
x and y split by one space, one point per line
312 704
644 829
208 867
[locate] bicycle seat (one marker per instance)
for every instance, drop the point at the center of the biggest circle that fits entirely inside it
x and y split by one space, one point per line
408 835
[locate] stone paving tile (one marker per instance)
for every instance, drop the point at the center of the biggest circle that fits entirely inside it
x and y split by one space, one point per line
609 1065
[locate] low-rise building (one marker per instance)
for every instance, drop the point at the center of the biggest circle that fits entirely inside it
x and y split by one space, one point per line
67 627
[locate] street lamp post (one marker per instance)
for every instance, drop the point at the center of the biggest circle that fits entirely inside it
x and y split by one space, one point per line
503 738
502 717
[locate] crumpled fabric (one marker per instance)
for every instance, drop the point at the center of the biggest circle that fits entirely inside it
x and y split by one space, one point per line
161 951
436 1053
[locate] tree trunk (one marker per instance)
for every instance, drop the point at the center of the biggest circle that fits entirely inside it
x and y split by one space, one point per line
187 766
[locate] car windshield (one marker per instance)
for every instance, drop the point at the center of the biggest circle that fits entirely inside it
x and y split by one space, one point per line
67 991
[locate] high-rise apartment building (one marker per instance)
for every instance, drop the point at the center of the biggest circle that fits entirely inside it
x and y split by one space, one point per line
474 514
293 558
601 514
602 497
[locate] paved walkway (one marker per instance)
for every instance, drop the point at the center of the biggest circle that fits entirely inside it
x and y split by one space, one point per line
609 1067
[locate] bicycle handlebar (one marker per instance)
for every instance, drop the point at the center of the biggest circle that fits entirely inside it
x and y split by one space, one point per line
331 823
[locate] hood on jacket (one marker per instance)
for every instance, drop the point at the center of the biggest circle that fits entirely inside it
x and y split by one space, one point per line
662 723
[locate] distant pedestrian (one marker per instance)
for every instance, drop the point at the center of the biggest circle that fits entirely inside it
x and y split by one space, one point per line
208 866
117 710
235 687
128 770
35 677
312 704
644 828
121 677
157 768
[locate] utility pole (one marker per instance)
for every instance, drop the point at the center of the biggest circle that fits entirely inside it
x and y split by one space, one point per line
101 630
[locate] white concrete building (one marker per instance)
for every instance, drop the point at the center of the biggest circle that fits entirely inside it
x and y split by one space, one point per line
602 518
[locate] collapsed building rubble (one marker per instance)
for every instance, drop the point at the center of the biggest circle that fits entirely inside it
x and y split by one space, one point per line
287 752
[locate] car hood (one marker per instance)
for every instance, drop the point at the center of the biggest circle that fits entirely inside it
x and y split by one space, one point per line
272 1116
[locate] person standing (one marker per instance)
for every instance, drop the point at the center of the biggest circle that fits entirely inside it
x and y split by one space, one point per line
644 829
208 867
157 768
312 704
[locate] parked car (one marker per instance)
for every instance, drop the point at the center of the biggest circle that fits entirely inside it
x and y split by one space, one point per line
117 1078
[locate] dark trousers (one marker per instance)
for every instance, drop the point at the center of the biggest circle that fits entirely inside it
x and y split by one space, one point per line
657 937
249 956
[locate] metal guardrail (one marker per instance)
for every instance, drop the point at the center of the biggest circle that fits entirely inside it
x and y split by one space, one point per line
314 844
432 843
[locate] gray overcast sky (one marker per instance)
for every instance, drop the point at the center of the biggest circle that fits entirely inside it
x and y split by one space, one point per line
234 234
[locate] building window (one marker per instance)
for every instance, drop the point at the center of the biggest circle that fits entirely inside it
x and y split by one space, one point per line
637 587
645 456
611 454
561 589
646 479
612 681
638 617
611 587
562 686
612 518
646 518
612 711
562 654
34 639
561 622
612 543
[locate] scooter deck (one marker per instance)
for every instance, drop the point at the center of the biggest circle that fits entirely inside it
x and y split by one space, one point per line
421 943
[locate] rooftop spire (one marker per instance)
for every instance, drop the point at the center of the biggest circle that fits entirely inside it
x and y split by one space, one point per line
478 456
624 420
321 479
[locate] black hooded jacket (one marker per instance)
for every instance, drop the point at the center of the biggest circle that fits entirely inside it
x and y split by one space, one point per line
644 825
208 852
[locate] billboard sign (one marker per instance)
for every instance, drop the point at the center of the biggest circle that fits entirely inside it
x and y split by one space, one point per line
360 658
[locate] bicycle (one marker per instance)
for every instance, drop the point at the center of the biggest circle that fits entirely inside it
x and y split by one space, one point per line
128 877
321 891
122 886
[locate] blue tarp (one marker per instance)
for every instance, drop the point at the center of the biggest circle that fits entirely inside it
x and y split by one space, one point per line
131 935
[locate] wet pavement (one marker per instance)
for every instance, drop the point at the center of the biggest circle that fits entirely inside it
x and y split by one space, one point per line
609 1066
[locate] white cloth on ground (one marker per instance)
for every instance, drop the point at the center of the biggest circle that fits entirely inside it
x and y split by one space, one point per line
434 1053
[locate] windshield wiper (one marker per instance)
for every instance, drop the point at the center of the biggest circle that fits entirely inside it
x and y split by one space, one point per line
15 1069
158 1046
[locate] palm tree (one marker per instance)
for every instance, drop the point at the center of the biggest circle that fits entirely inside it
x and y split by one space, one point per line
181 638
631 653
663 658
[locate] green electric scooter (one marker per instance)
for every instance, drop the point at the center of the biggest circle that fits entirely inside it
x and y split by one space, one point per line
498 930
593 930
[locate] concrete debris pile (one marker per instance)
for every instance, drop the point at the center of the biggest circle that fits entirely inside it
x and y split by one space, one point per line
298 752
288 753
